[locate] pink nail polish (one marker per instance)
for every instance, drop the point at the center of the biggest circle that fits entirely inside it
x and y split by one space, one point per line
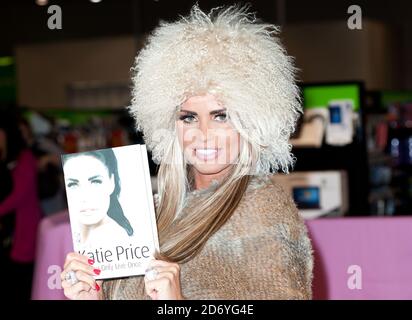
97 271
90 261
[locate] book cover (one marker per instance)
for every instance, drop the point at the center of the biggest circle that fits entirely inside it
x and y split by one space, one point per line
111 208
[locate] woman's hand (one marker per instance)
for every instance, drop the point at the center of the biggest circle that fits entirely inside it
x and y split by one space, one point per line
166 283
86 287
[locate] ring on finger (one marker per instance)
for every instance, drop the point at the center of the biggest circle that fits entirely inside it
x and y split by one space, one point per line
71 277
151 274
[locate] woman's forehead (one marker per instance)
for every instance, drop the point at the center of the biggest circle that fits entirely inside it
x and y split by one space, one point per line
201 102
85 165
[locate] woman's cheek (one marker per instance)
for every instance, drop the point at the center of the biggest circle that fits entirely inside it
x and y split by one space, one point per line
231 148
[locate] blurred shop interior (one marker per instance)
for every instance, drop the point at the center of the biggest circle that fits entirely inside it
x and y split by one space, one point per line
68 90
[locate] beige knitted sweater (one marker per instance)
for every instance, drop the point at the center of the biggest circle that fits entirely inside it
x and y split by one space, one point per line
262 252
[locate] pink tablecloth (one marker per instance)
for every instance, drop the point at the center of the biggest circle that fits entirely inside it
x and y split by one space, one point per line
54 241
377 251
355 258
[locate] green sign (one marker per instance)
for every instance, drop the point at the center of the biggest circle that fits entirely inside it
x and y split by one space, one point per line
8 91
389 97
319 96
74 117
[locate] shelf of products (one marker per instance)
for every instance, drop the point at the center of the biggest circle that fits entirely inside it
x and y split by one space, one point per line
330 148
389 134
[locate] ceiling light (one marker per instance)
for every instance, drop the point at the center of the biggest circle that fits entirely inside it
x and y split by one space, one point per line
42 2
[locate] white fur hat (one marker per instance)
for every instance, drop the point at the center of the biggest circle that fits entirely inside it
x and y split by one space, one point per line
231 55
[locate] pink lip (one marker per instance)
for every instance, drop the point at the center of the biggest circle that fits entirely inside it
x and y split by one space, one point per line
206 158
218 149
207 147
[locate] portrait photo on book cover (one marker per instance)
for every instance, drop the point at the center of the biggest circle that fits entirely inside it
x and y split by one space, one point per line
111 210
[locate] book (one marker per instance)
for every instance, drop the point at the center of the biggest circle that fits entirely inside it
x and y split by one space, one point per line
111 209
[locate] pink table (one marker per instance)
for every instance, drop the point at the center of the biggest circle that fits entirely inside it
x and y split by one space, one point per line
378 251
54 241
355 258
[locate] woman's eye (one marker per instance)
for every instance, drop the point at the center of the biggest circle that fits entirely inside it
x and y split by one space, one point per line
72 185
221 117
96 181
187 118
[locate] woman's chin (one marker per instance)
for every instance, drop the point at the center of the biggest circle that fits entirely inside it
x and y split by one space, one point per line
209 169
90 220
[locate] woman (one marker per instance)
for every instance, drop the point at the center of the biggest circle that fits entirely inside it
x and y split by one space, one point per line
215 97
23 202
93 188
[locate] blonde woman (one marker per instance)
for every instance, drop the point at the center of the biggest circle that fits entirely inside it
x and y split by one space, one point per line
215 97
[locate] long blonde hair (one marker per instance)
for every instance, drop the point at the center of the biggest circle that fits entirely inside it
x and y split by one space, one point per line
181 236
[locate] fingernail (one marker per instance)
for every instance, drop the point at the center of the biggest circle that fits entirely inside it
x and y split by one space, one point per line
90 261
97 271
97 287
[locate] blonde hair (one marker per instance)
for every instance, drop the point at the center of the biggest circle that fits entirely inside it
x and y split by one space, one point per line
231 55
181 239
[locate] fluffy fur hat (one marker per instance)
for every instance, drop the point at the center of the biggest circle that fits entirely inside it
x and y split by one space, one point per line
231 55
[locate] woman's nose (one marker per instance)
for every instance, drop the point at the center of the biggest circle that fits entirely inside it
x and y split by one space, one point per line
85 191
204 130
83 195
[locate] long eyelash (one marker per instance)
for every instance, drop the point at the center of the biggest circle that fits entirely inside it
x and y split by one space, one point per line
71 184
97 181
184 117
224 114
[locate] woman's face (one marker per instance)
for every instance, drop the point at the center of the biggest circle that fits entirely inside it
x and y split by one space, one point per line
209 141
89 187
